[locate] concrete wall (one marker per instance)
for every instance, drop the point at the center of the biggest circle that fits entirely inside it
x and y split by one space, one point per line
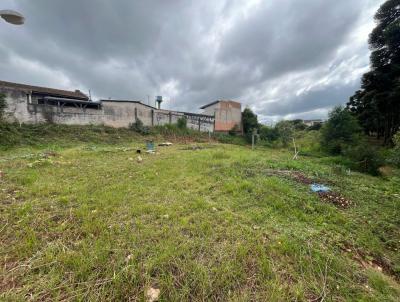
227 115
23 108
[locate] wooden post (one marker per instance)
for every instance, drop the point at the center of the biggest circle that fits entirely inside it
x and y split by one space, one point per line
295 150
253 138
214 121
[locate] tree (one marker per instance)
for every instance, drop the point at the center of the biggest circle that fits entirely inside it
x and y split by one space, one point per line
315 126
341 130
249 120
285 131
299 124
268 133
377 104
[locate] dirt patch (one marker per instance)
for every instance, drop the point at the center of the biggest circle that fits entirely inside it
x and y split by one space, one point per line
301 178
48 154
368 261
197 147
335 198
328 197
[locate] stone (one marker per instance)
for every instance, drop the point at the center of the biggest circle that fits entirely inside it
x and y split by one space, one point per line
152 294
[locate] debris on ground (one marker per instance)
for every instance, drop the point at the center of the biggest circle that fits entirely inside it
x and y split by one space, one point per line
139 159
300 177
1 174
48 154
151 151
138 151
323 191
152 294
128 258
150 145
335 198
194 147
318 188
165 144
368 261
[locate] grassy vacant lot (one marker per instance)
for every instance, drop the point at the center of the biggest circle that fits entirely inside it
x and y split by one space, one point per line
86 221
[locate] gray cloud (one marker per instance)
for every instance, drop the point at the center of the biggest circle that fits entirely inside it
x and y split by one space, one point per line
271 55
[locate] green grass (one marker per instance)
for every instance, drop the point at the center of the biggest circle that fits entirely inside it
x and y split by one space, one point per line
92 223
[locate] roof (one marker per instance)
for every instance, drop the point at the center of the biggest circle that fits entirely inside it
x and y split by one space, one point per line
166 110
216 102
89 104
129 101
44 90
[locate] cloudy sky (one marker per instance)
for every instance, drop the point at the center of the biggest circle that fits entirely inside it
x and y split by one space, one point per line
282 58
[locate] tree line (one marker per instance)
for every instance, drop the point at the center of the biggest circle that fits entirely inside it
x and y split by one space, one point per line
377 104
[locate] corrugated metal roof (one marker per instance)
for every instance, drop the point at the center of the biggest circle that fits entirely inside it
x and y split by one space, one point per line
45 90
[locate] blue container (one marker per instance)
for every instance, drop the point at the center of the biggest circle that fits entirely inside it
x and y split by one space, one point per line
149 145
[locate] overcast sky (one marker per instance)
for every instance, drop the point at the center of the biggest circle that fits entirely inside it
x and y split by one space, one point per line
282 58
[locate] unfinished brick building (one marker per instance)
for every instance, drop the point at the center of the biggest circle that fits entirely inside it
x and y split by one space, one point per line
228 114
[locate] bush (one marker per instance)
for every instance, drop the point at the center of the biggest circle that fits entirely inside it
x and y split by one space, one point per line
229 139
268 134
299 125
365 158
285 131
139 127
394 154
182 123
3 106
309 142
340 131
316 127
234 131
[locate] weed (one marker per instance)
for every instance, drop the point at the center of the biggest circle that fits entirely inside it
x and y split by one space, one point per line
215 224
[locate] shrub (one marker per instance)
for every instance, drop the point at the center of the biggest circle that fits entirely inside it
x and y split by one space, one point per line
139 127
234 131
316 126
285 131
365 158
299 125
394 154
182 123
229 139
340 131
3 106
268 134
308 142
